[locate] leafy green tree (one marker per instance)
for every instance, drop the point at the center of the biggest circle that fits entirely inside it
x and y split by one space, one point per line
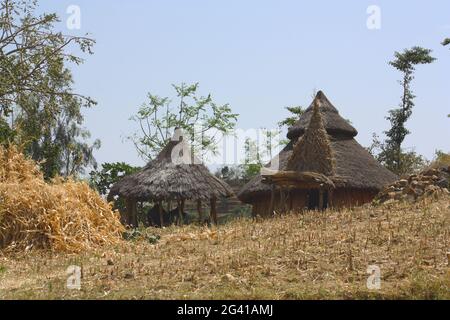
244 172
38 108
233 174
200 118
252 161
392 154
6 133
56 140
442 158
102 180
410 161
254 154
31 56
271 142
76 153
446 42
295 113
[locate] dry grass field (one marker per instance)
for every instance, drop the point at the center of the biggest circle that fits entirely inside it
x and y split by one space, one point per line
311 256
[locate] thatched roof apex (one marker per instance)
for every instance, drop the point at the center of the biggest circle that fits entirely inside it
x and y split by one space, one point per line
175 174
333 122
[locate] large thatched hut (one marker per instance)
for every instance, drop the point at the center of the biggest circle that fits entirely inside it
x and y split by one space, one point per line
322 166
174 176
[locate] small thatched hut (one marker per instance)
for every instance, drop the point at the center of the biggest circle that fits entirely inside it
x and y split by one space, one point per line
175 176
322 166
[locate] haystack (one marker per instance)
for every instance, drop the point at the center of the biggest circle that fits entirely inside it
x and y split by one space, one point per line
59 216
176 175
312 152
335 156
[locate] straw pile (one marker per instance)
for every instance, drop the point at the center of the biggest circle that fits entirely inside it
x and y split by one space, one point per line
59 216
312 152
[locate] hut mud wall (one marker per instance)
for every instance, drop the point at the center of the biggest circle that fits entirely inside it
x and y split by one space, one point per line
293 200
297 200
347 198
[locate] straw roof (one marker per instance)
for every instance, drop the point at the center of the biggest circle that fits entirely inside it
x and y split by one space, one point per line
333 122
174 175
353 166
312 152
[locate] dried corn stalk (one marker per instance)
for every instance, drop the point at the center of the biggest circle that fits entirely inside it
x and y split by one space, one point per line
61 216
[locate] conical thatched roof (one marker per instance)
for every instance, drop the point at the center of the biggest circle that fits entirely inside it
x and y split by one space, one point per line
312 152
174 175
353 164
333 122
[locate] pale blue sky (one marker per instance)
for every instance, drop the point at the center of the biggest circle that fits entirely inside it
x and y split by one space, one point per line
261 56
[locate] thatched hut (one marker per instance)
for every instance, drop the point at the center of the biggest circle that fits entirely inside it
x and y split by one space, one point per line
322 166
174 176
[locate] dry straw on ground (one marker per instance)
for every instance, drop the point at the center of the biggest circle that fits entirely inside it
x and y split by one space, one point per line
62 215
297 256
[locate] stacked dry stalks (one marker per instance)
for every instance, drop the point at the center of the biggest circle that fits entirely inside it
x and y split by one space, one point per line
60 216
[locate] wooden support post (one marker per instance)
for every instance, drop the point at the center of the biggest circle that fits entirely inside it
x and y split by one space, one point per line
291 200
254 212
308 201
131 213
214 211
135 217
128 212
330 198
161 215
272 200
321 199
181 211
200 211
282 201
